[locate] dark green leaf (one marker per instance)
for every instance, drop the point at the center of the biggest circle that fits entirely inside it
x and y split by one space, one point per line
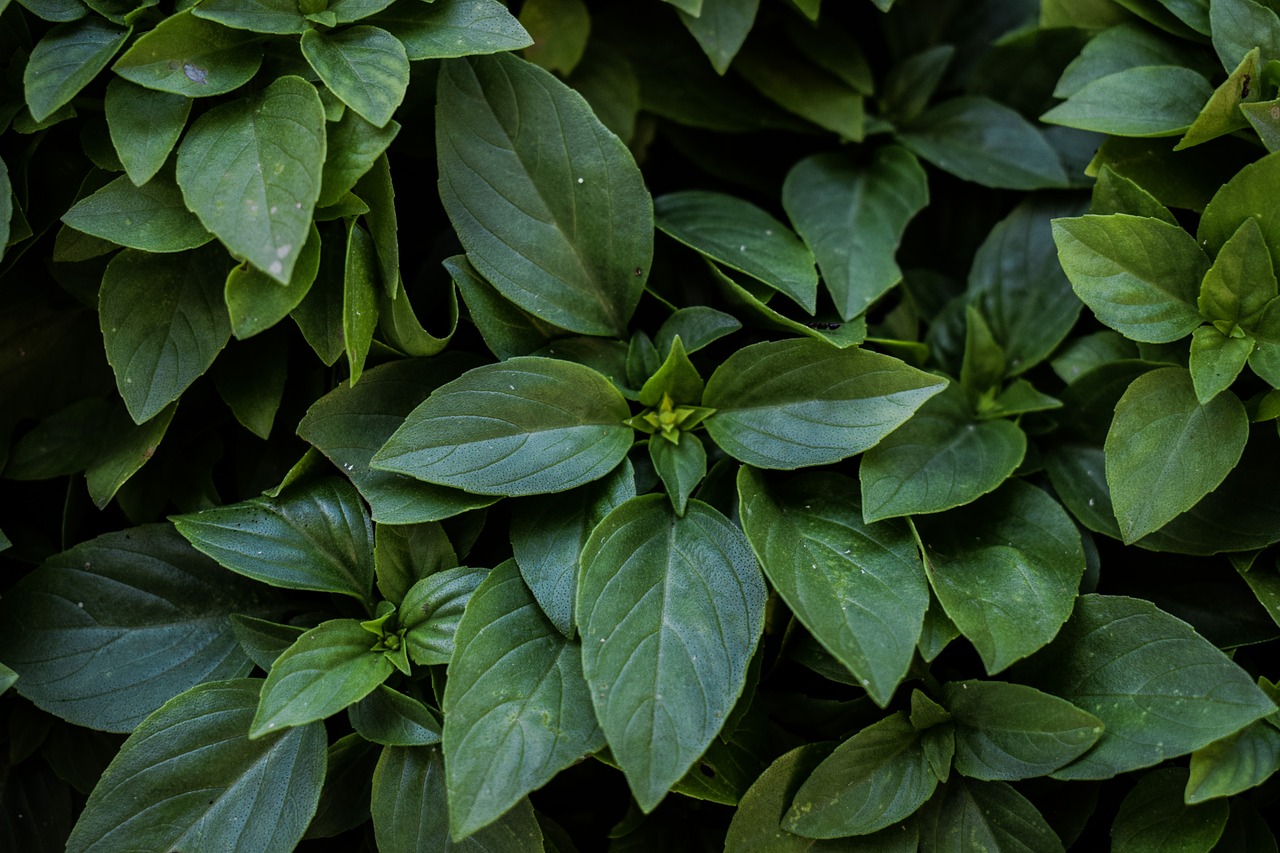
366 67
451 28
66 441
126 447
282 17
394 719
151 217
314 536
1216 361
359 298
1153 817
720 27
352 147
250 170
256 301
1234 764
859 588
1240 25
670 610
145 125
1236 289
189 778
1241 198
559 29
404 555
431 610
568 235
526 426
853 216
105 633
262 640
970 815
1160 689
1119 48
680 466
65 60
190 56
517 710
697 327
1006 569
1151 100
794 83
790 404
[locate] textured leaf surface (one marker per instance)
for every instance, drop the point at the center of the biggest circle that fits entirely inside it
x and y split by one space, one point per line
189 56
152 217
448 29
971 815
366 67
65 60
1153 817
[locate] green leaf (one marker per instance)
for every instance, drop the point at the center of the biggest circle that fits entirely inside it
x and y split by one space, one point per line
7 678
326 669
517 710
144 125
794 83
451 28
790 404
1240 25
1222 115
404 555
1216 361
319 315
697 326
1114 193
721 27
1236 289
1165 450
151 217
1006 569
1152 817
431 610
859 588
559 29
1241 198
366 67
352 146
680 466
1140 276
350 423
66 441
163 323
314 536
281 17
979 140
256 302
189 778
742 237
547 538
670 610
262 640
190 56
1234 764
375 187
853 216
250 170
943 457
568 237
1264 116
1122 47
108 631
1150 100
411 812
126 447
394 719
970 815
748 303
359 298
1160 689
507 329
527 426
871 781
65 60
1006 732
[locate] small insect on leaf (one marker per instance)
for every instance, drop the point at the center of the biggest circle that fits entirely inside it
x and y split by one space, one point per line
196 74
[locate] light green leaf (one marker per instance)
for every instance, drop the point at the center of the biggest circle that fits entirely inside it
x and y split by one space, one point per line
359 298
250 170
859 588
126 447
151 217
516 708
569 236
1236 289
65 60
1140 276
1160 689
108 631
853 216
352 146
1154 819
527 426
446 29
943 457
680 466
1006 732
721 27
411 812
676 378
163 322
790 404
1165 450
394 719
325 670
1264 116
190 56
189 778
1234 764
971 815
1243 197
144 125
871 781
1222 115
977 139
256 302
7 678
1216 361
670 610
1006 568
1150 100
547 539
349 424
559 29
431 610
314 536
281 17
1114 193
366 67
742 237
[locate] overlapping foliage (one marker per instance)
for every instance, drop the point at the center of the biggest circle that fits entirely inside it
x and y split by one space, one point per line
703 425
